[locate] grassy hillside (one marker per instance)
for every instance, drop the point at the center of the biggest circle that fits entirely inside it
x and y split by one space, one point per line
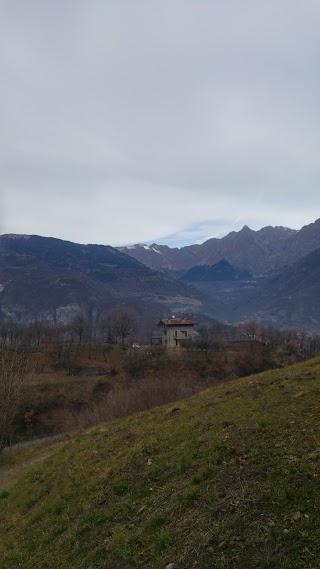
226 479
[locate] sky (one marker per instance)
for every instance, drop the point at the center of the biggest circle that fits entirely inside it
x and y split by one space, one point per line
171 121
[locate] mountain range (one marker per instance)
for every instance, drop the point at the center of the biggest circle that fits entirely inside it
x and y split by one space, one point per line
258 252
53 280
272 275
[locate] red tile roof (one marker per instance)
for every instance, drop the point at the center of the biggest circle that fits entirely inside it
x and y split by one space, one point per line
177 321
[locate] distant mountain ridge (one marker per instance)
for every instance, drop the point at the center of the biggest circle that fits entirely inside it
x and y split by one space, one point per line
280 266
272 275
258 252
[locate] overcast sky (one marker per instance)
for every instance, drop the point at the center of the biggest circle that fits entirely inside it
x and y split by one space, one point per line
158 120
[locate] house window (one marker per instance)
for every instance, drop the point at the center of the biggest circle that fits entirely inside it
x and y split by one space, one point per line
176 334
185 332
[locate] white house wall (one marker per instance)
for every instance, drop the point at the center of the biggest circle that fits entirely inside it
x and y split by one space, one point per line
172 335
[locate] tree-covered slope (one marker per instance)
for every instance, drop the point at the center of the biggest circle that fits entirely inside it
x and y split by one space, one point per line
226 479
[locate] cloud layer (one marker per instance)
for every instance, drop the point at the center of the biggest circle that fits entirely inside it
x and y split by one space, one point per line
135 121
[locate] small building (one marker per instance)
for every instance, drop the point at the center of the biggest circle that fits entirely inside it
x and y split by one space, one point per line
174 331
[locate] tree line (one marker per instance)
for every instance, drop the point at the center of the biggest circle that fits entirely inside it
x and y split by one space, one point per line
115 327
121 326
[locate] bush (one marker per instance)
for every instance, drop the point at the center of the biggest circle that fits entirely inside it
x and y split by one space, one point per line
13 369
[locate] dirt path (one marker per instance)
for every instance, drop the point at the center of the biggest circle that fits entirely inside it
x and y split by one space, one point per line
37 442
18 459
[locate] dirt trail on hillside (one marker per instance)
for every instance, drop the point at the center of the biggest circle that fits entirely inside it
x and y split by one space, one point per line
34 452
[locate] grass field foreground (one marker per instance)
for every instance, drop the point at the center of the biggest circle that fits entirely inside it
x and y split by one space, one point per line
228 478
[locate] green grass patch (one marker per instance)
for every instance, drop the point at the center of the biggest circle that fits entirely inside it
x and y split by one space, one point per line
4 494
230 481
154 524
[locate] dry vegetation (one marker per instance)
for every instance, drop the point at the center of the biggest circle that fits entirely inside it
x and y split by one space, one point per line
78 384
13 372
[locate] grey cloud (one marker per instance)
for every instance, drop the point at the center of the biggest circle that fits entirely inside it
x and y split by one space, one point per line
176 111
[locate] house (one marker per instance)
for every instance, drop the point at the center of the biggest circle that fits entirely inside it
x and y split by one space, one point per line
174 331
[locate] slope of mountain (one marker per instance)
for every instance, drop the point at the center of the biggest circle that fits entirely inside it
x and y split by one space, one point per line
51 280
221 271
303 242
290 299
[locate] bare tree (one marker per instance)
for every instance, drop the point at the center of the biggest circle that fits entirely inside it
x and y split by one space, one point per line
149 327
270 336
106 327
13 369
80 326
15 333
216 331
249 329
56 332
124 323
35 332
4 332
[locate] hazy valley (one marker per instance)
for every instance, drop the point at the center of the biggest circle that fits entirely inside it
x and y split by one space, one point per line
271 275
